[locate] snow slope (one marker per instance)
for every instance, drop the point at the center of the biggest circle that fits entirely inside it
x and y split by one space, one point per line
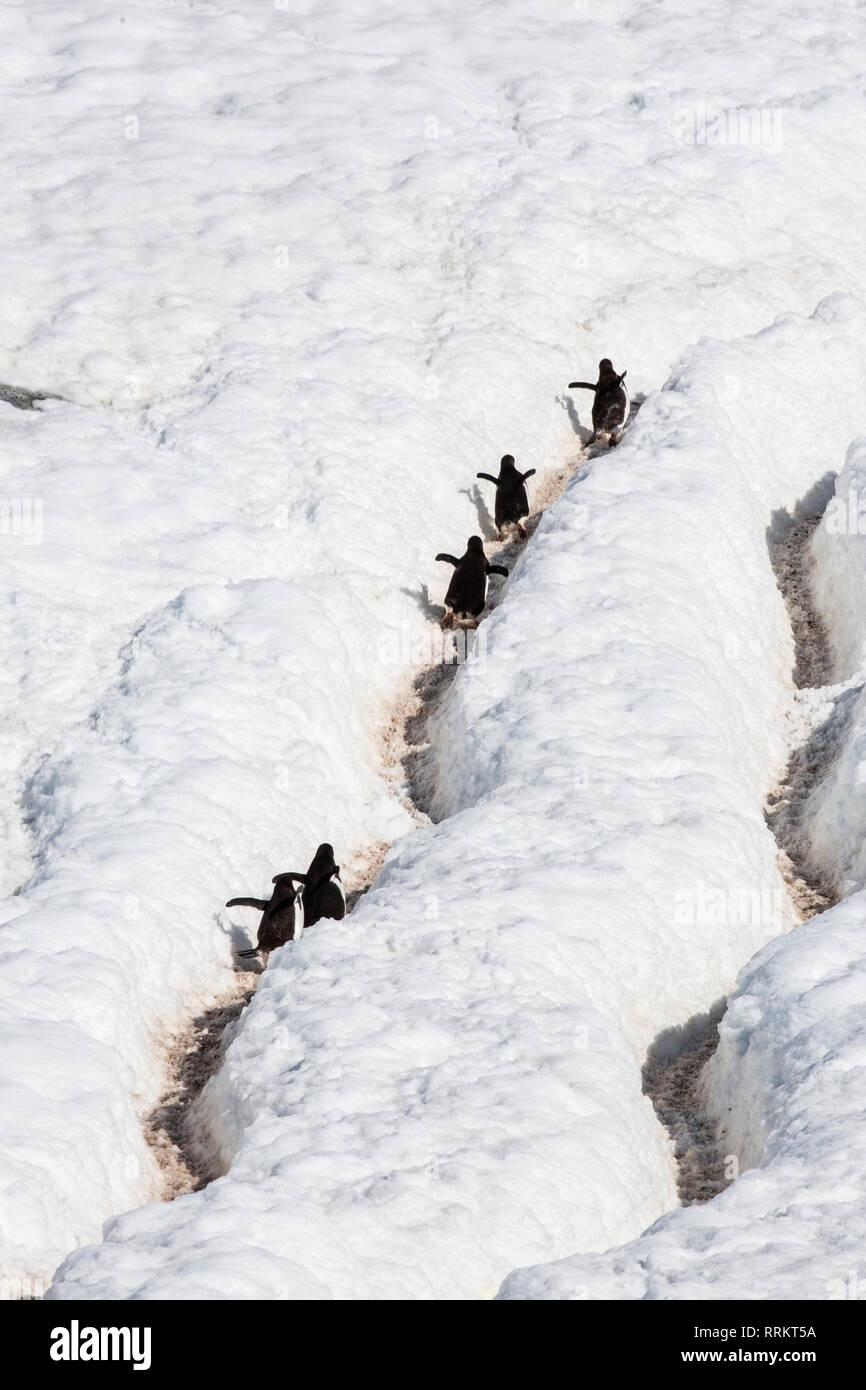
790 1071
298 274
413 1101
791 1065
228 591
788 1083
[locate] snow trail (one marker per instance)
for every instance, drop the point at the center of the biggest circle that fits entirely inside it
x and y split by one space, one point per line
672 1080
173 1129
191 1062
817 737
408 750
673 1075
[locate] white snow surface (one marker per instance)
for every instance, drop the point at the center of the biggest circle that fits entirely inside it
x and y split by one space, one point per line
297 274
420 1093
788 1082
791 1066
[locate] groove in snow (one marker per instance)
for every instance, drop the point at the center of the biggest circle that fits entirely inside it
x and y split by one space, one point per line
180 1145
673 1072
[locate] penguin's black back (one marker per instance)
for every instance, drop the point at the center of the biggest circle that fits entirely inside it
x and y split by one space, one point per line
278 927
325 901
323 894
467 591
512 503
611 402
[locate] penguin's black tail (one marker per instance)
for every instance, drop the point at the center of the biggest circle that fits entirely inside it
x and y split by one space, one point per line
247 902
242 955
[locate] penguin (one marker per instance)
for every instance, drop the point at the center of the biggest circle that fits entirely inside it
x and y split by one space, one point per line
611 405
282 917
323 894
512 503
467 592
290 909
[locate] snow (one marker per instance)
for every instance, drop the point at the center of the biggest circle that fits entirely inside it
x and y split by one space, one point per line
423 1094
791 1067
834 815
297 275
788 1083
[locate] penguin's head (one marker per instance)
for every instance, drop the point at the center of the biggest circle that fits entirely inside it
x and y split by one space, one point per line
506 463
605 367
475 545
324 861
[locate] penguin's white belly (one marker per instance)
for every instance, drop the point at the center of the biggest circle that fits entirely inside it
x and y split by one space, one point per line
337 882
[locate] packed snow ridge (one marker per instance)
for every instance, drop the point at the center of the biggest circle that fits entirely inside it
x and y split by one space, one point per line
788 1083
674 1074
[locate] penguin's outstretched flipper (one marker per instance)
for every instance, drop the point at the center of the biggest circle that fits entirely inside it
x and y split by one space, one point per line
282 878
497 569
584 385
261 903
489 476
450 559
527 474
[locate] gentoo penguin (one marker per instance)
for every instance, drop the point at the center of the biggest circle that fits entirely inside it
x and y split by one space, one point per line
512 504
467 592
282 917
323 894
611 405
